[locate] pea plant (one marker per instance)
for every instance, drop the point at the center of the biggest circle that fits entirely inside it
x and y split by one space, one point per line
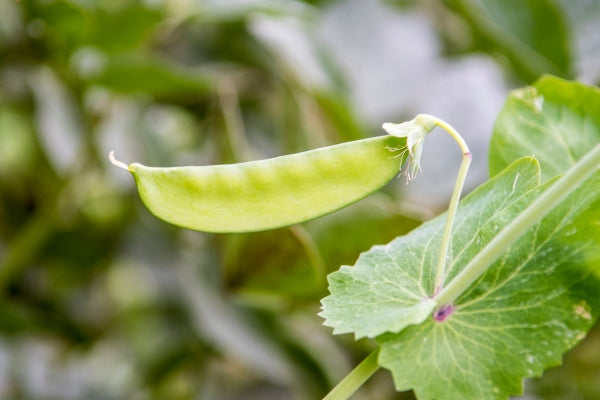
468 304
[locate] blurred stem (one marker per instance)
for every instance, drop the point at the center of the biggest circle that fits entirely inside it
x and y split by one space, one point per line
26 244
312 125
355 379
313 254
234 122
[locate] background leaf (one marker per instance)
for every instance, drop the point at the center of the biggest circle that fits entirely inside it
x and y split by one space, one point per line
554 120
531 35
159 78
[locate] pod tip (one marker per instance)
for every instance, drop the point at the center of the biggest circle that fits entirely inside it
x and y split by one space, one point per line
111 157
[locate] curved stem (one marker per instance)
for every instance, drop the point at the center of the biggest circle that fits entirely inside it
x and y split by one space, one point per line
452 207
415 131
312 252
453 132
355 379
445 244
537 210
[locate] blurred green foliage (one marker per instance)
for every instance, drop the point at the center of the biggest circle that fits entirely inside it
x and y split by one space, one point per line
102 301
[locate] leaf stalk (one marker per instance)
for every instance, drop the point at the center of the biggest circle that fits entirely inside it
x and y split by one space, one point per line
356 378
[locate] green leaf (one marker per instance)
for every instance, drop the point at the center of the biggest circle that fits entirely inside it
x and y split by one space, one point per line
155 76
344 234
69 26
240 9
271 262
531 35
556 121
534 303
123 29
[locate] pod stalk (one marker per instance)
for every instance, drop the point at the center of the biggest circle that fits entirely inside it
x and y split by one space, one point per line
454 200
415 131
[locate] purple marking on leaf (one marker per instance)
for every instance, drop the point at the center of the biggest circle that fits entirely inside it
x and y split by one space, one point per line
443 313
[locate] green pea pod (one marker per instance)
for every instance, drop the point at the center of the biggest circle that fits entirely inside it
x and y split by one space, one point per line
271 193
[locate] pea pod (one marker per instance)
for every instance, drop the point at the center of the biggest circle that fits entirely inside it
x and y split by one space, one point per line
271 193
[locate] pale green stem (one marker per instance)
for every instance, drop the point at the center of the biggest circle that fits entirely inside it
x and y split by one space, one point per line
458 186
355 379
234 125
549 199
312 252
28 242
445 244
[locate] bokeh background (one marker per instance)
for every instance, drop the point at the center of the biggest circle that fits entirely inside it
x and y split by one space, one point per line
100 300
